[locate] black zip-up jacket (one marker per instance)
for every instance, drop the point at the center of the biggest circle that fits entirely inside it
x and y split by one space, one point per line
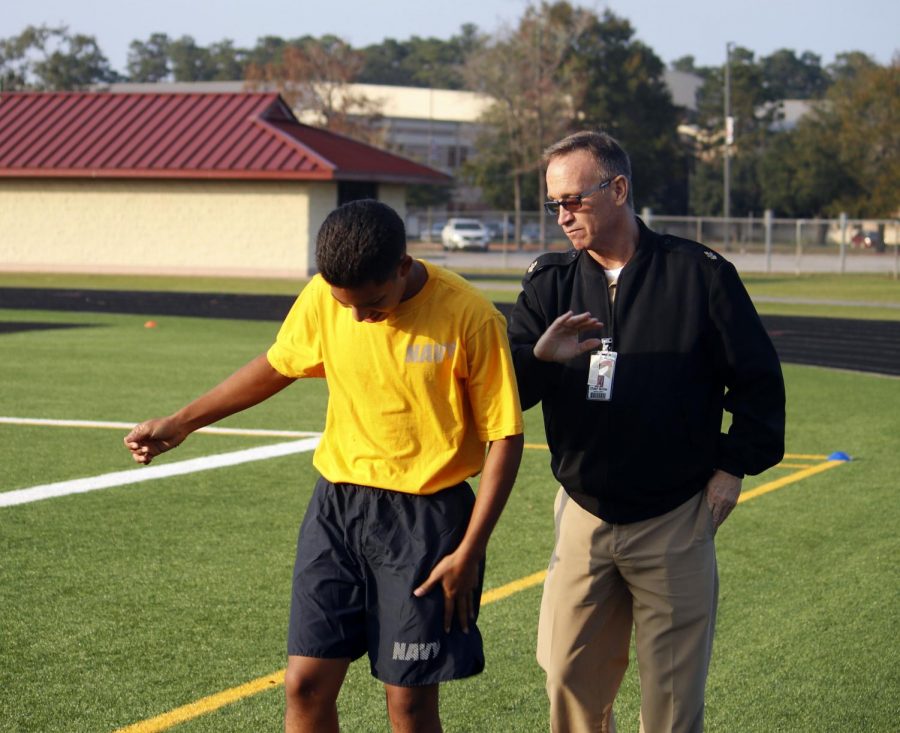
690 345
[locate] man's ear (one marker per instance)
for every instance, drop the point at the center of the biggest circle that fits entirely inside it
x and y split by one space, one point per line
620 186
405 265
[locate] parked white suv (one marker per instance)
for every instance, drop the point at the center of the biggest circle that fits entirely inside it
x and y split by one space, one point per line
465 234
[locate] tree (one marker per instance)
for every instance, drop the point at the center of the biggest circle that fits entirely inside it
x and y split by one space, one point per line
149 61
843 156
313 75
385 63
421 62
802 174
76 63
427 195
848 65
860 126
688 65
434 63
565 68
493 170
17 56
228 63
755 112
751 97
788 77
48 58
620 88
160 58
524 71
190 62
268 50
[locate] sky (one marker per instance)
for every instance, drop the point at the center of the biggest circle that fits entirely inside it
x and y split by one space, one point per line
701 28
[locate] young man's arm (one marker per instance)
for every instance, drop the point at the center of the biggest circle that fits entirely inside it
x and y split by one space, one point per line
457 572
248 386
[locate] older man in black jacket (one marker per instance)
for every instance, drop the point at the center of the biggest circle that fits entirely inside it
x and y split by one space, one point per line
635 343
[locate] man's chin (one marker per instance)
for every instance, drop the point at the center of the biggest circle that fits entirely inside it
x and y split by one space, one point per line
577 239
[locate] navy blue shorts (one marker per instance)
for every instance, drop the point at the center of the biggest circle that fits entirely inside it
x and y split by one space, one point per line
361 553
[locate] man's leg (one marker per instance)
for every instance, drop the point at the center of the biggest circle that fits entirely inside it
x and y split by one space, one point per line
311 688
670 567
584 630
413 709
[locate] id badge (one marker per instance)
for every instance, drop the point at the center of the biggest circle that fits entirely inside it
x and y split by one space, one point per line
600 375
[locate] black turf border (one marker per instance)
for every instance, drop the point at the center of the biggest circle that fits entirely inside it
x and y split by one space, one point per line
843 343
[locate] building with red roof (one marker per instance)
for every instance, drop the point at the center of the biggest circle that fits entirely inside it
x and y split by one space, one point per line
196 183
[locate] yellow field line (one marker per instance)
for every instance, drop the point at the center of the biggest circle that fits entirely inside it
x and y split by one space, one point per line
208 704
497 594
789 479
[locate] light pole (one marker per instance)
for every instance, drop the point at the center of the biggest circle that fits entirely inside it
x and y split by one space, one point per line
729 139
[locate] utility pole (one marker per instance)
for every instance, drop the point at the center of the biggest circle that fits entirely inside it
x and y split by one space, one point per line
729 140
541 181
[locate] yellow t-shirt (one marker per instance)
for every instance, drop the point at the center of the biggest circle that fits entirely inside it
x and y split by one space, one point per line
412 399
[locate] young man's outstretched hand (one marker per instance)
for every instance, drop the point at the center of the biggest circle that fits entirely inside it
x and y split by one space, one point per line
251 384
152 437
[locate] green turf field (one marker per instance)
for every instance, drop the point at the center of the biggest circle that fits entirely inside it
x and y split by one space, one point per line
124 604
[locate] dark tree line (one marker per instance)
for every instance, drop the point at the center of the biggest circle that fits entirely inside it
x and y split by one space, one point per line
842 155
43 57
561 68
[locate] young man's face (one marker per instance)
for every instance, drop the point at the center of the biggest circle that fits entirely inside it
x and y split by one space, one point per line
373 302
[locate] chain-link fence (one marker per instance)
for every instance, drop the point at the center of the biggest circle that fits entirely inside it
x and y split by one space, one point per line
754 244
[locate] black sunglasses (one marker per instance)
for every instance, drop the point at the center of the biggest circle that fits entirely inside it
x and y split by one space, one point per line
573 203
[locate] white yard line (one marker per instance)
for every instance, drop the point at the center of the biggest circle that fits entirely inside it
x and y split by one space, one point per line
149 473
44 422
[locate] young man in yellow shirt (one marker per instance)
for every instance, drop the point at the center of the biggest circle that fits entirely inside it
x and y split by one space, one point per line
391 551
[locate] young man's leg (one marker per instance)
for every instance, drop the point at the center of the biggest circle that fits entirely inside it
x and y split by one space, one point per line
410 652
311 688
413 709
327 621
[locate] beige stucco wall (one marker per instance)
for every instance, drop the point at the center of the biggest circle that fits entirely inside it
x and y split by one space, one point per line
184 227
394 196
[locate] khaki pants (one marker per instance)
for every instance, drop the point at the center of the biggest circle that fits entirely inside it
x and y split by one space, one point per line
658 575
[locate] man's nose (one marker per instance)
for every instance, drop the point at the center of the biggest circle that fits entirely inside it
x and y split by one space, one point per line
563 216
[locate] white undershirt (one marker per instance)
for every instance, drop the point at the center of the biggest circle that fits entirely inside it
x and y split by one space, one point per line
612 276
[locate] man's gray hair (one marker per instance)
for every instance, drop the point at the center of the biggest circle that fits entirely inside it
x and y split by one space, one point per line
610 156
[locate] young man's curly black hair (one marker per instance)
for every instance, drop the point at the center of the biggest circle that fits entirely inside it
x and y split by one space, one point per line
360 242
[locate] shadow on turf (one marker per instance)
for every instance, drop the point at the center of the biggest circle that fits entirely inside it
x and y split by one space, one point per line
21 326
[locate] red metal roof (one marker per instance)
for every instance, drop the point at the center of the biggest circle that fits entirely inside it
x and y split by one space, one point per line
246 135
